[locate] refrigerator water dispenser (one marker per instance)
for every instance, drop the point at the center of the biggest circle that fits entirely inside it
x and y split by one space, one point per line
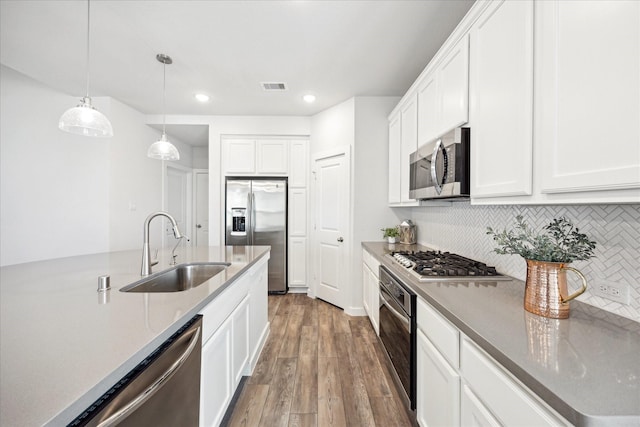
238 222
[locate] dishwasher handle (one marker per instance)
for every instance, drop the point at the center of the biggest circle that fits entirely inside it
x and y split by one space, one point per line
154 387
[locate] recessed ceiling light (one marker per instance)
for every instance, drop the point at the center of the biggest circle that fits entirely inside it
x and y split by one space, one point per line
202 97
309 98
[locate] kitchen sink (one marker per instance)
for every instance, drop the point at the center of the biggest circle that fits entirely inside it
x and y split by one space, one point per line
178 279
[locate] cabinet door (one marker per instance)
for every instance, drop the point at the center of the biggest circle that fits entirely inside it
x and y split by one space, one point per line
366 293
297 212
588 95
502 100
297 262
473 413
239 156
216 382
409 144
428 109
394 160
299 163
438 387
258 315
454 87
374 300
272 157
240 341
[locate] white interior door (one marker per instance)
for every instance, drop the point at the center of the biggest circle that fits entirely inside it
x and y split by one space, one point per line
201 208
177 201
331 226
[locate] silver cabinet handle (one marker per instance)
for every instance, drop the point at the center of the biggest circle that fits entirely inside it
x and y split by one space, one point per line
153 388
340 239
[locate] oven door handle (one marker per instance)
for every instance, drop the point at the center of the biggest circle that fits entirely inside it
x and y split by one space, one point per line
396 313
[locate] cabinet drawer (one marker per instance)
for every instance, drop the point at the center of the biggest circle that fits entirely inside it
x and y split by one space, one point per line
218 310
511 402
371 262
444 336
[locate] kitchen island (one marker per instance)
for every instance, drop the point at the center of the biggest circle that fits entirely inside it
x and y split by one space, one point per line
586 367
63 344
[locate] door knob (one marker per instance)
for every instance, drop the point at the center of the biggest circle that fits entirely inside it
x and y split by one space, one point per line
199 226
340 239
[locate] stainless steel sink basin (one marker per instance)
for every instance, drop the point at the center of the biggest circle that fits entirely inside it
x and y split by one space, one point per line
177 279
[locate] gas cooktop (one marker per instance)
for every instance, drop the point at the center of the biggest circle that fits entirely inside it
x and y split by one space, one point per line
429 266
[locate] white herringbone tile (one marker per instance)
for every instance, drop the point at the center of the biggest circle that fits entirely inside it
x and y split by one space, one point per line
461 228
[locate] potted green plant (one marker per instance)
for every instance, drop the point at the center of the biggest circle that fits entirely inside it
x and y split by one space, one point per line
547 253
390 233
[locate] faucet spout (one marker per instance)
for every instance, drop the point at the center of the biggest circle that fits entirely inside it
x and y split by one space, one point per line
145 270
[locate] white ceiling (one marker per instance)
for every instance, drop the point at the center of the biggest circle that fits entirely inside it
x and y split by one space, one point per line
333 49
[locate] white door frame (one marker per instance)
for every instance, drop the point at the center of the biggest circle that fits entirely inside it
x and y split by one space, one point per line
344 150
194 201
189 208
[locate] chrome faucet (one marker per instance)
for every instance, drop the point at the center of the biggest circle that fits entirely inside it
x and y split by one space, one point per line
173 251
146 255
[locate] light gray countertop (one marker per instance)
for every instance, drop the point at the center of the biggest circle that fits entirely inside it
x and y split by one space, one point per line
586 367
63 344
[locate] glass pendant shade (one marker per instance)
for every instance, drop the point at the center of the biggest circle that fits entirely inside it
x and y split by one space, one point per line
162 149
85 120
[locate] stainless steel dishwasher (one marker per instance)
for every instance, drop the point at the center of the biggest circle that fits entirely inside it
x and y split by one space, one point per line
163 390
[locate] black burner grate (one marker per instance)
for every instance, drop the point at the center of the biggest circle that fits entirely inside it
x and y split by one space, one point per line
446 264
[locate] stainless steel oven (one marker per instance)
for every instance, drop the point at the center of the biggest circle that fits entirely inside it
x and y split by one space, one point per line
398 331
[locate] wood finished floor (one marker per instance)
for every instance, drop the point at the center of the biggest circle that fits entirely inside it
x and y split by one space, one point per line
319 367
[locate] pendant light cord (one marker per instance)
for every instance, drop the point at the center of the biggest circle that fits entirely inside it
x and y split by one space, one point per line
88 41
164 96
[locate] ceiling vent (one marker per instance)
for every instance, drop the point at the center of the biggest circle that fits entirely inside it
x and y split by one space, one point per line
273 86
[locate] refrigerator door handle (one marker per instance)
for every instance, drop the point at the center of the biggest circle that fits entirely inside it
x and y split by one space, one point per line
249 227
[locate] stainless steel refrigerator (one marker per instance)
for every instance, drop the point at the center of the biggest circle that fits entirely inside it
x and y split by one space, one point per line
256 215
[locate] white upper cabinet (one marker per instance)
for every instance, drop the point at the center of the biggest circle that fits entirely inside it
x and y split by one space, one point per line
299 159
588 96
443 94
395 133
262 157
409 144
502 100
239 156
272 157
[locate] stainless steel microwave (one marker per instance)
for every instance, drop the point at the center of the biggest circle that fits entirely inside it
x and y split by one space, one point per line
440 169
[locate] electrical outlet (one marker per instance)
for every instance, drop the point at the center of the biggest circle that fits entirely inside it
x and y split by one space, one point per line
614 291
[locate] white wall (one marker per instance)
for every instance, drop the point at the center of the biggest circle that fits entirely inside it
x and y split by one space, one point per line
360 123
53 185
200 157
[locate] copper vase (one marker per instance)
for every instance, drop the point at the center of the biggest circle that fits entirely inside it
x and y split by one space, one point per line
546 289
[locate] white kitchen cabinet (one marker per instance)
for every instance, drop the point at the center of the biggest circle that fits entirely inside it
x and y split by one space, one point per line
255 157
370 289
272 157
438 387
299 161
408 145
473 413
298 262
437 358
216 389
235 328
239 156
502 100
395 133
443 94
297 212
510 402
588 96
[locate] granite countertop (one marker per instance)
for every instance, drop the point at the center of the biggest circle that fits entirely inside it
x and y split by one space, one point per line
586 367
63 344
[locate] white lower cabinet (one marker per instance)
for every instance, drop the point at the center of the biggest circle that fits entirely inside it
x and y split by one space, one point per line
235 327
458 384
216 388
438 387
370 289
473 413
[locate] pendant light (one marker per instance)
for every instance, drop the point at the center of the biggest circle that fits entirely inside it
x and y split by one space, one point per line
84 119
162 149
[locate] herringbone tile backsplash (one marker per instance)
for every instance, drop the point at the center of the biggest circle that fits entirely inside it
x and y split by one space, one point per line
461 228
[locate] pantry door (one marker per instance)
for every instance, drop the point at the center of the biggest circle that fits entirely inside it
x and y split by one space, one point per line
331 224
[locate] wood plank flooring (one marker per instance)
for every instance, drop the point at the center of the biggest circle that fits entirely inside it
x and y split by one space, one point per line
319 368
